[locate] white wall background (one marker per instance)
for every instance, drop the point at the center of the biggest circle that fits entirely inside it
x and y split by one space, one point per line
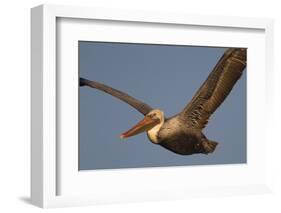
15 103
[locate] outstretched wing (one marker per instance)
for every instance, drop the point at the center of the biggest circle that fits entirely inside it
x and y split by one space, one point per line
138 105
215 89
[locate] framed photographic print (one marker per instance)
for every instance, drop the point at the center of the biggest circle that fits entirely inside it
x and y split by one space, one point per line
133 106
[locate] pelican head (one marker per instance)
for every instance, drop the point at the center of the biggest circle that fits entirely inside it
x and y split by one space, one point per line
151 123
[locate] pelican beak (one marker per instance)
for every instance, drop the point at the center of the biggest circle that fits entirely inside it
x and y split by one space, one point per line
144 125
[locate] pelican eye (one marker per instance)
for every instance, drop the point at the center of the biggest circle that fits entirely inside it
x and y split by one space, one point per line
152 115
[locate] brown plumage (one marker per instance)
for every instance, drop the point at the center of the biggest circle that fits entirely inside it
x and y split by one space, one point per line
182 133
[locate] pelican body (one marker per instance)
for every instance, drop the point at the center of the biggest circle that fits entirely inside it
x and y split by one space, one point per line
182 133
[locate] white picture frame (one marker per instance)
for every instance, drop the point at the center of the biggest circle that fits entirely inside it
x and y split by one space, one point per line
49 168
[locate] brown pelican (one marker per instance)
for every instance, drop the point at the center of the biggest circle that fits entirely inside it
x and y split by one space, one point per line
182 133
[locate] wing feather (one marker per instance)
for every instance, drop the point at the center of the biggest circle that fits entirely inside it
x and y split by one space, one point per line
138 105
215 89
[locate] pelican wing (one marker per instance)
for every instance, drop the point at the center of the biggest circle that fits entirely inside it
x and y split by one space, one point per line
215 89
138 105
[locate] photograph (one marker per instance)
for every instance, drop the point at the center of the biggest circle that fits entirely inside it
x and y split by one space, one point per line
157 105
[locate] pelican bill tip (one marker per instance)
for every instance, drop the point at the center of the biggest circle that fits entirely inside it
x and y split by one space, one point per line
122 136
